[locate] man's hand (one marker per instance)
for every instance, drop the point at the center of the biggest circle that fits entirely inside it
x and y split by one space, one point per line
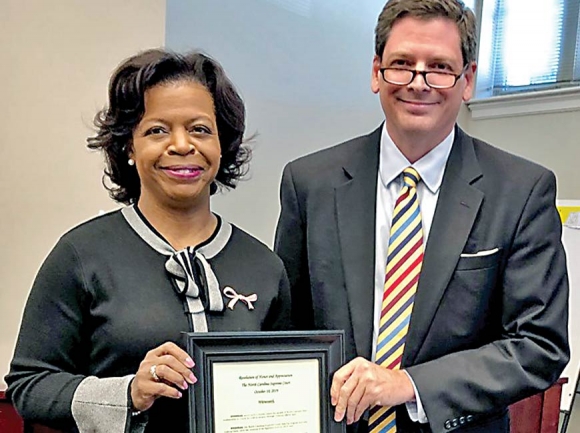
360 384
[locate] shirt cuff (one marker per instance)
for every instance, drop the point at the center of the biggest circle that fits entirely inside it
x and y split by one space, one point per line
102 405
415 408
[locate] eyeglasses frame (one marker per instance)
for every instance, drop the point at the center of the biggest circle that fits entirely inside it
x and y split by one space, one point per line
416 72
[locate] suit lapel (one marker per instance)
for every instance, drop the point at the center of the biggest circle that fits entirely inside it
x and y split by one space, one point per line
457 207
355 214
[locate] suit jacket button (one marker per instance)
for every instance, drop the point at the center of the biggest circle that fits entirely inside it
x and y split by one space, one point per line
462 420
455 423
447 424
469 418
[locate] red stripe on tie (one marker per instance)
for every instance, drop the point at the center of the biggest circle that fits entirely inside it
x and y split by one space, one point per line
402 197
399 296
412 266
396 362
403 259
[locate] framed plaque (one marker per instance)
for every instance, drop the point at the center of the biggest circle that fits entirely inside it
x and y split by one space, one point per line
276 382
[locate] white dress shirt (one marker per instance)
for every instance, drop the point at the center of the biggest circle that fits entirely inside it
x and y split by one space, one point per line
391 165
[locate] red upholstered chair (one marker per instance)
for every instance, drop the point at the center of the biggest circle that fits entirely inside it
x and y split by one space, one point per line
10 421
539 413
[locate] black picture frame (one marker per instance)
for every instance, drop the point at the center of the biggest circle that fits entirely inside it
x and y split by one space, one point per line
226 347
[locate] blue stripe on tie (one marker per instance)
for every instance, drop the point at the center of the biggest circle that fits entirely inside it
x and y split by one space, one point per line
409 220
400 213
391 351
403 243
394 348
390 425
395 315
381 418
391 334
414 179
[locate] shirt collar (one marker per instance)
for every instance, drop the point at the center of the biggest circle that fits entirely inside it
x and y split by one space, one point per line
430 167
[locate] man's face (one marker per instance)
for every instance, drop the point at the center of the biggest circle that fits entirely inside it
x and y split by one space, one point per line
415 110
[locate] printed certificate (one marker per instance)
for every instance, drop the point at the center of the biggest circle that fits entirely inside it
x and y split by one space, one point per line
267 396
273 382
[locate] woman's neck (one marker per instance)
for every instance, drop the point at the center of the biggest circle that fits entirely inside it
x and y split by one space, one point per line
181 227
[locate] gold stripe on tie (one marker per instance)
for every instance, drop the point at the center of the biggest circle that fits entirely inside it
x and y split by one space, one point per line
404 260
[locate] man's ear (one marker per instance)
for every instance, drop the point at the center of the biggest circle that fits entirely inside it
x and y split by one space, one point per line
469 82
376 75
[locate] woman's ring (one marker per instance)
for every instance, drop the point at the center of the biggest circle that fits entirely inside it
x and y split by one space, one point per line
153 371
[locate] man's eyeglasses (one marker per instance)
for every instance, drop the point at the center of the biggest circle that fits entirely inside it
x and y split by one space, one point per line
434 79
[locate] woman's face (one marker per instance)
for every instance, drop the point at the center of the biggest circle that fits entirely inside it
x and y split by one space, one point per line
176 148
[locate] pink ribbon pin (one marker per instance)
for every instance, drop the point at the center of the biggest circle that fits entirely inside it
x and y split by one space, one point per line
235 297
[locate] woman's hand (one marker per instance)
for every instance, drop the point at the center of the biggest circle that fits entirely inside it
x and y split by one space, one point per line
164 371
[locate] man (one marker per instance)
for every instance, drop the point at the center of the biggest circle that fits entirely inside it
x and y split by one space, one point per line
420 200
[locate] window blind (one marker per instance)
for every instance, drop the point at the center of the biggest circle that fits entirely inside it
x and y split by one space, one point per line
527 46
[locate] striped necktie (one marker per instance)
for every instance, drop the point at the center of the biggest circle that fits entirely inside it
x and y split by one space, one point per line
404 259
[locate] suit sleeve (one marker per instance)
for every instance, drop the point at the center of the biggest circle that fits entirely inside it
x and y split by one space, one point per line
533 349
290 245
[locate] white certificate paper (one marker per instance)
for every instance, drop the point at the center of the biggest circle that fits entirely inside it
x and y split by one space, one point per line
267 396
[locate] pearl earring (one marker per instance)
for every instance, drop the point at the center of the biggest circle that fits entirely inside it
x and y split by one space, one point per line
131 162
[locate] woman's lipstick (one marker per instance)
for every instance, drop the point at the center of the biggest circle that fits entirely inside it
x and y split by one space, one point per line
186 172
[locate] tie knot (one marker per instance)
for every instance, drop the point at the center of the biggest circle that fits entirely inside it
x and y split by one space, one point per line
411 177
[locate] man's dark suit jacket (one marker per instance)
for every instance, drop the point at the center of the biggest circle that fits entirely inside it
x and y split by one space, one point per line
485 331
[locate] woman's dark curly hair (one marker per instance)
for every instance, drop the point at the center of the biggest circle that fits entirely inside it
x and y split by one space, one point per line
115 124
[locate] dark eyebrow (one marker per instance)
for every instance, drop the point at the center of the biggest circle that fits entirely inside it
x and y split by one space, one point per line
407 56
166 122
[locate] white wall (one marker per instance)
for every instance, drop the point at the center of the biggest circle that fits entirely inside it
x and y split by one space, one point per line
56 60
552 140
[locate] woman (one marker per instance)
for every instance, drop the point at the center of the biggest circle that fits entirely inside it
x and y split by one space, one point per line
98 349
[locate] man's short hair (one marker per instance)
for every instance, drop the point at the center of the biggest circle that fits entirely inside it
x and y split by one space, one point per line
455 10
